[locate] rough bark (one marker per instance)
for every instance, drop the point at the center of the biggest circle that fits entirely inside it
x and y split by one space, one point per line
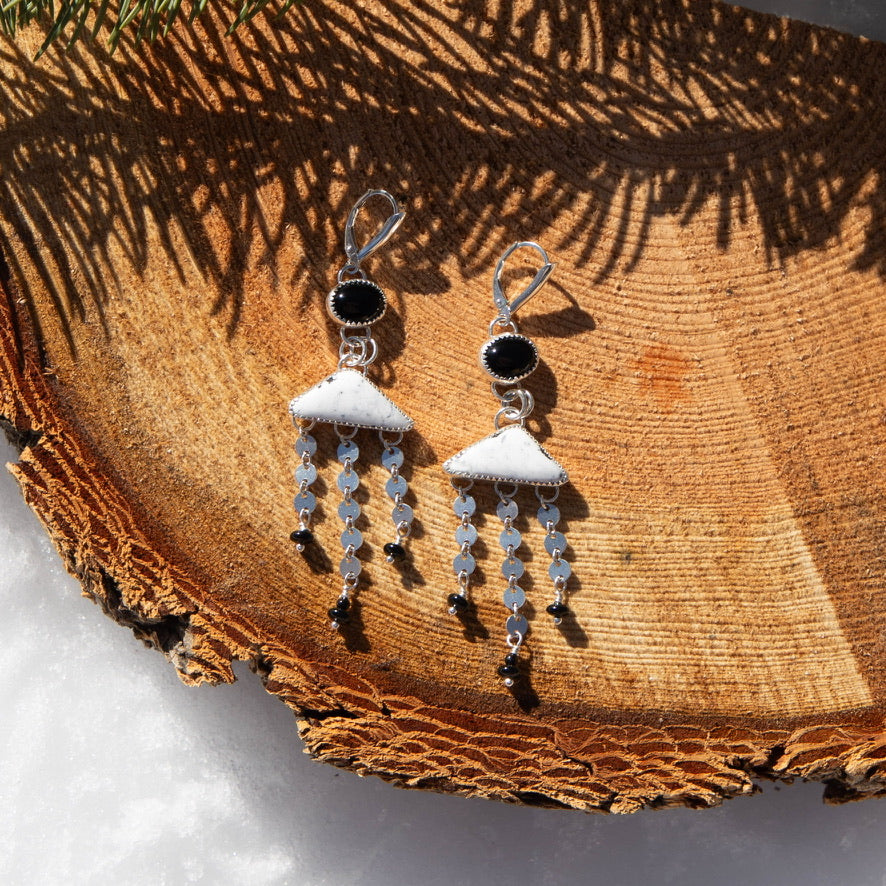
712 184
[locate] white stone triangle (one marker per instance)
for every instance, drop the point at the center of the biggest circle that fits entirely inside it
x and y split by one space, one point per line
347 397
511 455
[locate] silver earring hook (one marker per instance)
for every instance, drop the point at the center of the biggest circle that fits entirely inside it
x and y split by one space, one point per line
507 308
357 254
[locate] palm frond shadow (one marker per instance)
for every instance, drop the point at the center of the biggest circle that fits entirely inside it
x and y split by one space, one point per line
578 126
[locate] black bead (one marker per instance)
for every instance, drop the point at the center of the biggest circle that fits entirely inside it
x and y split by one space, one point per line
302 536
356 303
509 357
511 659
343 603
506 671
558 610
395 551
338 614
457 602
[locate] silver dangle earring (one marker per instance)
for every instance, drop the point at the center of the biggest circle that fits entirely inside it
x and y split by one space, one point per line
510 457
348 401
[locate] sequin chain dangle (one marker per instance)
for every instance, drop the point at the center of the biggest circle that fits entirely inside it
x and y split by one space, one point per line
510 457
348 401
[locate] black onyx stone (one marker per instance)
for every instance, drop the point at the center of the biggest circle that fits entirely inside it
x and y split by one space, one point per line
338 614
302 536
343 603
508 671
457 602
395 551
511 659
356 303
509 357
558 610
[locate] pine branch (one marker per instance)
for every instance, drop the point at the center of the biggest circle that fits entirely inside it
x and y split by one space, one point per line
148 18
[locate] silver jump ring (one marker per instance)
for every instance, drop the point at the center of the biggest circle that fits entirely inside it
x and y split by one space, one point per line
390 444
351 271
502 323
514 413
547 501
353 351
348 357
507 398
461 490
495 391
373 352
345 435
509 413
502 496
355 333
527 404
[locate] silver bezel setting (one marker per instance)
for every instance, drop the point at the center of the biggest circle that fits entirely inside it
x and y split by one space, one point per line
506 379
350 324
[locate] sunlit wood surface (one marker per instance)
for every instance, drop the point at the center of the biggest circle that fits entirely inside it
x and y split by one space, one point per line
712 185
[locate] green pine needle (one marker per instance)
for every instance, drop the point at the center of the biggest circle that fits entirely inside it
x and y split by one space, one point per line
147 18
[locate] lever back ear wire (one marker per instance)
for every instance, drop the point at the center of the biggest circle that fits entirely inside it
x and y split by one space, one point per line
509 458
349 401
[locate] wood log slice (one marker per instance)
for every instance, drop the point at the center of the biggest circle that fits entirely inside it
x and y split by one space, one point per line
712 185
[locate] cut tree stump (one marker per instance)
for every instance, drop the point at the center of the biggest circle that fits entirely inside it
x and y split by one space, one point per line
712 185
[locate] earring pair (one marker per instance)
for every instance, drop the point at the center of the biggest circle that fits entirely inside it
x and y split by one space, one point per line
509 458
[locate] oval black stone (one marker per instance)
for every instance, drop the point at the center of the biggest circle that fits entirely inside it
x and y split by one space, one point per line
356 303
302 536
395 551
343 603
457 602
508 671
509 357
558 610
511 659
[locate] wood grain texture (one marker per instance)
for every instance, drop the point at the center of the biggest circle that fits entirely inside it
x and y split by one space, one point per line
712 184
